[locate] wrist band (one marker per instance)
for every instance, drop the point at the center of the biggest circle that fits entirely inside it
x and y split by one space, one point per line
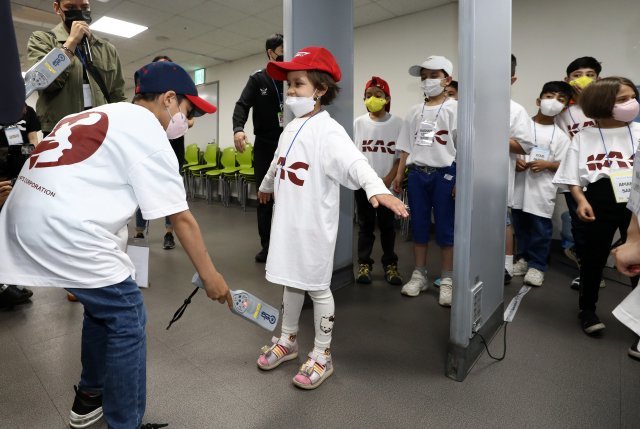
68 50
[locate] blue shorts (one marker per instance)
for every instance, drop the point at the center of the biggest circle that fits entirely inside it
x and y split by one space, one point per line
432 191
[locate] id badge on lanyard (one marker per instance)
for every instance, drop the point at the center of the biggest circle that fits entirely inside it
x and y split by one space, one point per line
426 133
540 154
281 117
86 96
621 181
14 136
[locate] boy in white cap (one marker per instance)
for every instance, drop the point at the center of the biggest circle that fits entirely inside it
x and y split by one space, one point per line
428 145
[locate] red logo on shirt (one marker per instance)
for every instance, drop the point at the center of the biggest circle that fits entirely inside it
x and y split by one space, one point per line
597 162
291 170
441 133
576 128
370 146
73 140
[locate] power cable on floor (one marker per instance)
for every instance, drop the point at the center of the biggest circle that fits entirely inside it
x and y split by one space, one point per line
486 346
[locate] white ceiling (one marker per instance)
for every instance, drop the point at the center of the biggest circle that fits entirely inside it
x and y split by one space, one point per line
195 33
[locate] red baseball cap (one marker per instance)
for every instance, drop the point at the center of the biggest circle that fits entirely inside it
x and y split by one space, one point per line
163 76
309 58
378 82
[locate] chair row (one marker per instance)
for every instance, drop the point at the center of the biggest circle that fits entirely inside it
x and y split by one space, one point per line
221 168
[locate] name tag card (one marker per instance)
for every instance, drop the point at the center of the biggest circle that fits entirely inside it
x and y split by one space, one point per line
14 136
621 182
540 154
426 133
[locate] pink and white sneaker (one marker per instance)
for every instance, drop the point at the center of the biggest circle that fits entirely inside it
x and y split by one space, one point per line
314 371
280 351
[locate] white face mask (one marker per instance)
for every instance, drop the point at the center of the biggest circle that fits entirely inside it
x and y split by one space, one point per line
432 87
300 106
178 125
550 107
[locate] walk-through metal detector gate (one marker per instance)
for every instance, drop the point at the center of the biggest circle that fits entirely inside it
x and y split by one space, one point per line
329 23
483 132
481 186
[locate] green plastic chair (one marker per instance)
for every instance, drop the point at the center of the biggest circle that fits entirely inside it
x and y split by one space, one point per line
191 156
228 170
210 159
246 174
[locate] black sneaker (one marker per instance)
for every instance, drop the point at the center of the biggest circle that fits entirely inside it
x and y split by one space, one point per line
364 274
575 283
634 353
507 277
391 275
27 293
139 235
590 323
11 296
261 256
86 410
154 425
169 243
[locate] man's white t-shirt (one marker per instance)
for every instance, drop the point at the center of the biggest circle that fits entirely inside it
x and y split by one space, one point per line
314 157
64 220
572 120
377 141
442 152
534 192
587 160
520 131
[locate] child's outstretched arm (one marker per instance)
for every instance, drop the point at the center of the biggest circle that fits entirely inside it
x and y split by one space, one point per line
390 202
627 255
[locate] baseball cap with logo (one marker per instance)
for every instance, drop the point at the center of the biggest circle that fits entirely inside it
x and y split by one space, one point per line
309 58
434 62
163 76
378 82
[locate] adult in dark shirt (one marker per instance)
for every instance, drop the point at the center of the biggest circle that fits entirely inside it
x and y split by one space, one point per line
17 141
265 96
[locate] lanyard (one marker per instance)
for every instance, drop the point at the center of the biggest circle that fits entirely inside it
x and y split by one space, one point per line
606 151
277 93
278 166
422 116
535 135
573 121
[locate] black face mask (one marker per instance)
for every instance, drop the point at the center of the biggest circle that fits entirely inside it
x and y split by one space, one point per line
280 58
76 15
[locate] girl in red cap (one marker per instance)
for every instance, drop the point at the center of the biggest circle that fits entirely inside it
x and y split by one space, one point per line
314 157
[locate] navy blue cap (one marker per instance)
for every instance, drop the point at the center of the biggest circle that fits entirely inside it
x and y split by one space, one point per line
163 76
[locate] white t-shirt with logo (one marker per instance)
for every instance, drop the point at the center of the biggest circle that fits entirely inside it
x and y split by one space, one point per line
534 192
305 177
572 120
587 161
520 131
377 141
64 223
442 152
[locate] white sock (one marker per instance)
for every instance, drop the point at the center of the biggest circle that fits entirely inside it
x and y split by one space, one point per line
508 263
422 270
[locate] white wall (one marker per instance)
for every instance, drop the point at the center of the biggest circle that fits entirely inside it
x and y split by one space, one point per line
547 35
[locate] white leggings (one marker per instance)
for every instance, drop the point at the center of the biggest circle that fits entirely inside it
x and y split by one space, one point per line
323 314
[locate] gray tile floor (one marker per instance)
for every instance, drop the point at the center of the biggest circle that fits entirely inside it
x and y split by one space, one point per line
389 354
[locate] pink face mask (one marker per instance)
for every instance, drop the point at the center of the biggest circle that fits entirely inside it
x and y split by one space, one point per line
627 111
178 125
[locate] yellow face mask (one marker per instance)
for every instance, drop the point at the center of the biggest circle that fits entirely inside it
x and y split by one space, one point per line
582 82
375 104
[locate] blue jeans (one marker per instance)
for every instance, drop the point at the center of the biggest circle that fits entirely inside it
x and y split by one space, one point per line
533 238
114 351
141 223
432 191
